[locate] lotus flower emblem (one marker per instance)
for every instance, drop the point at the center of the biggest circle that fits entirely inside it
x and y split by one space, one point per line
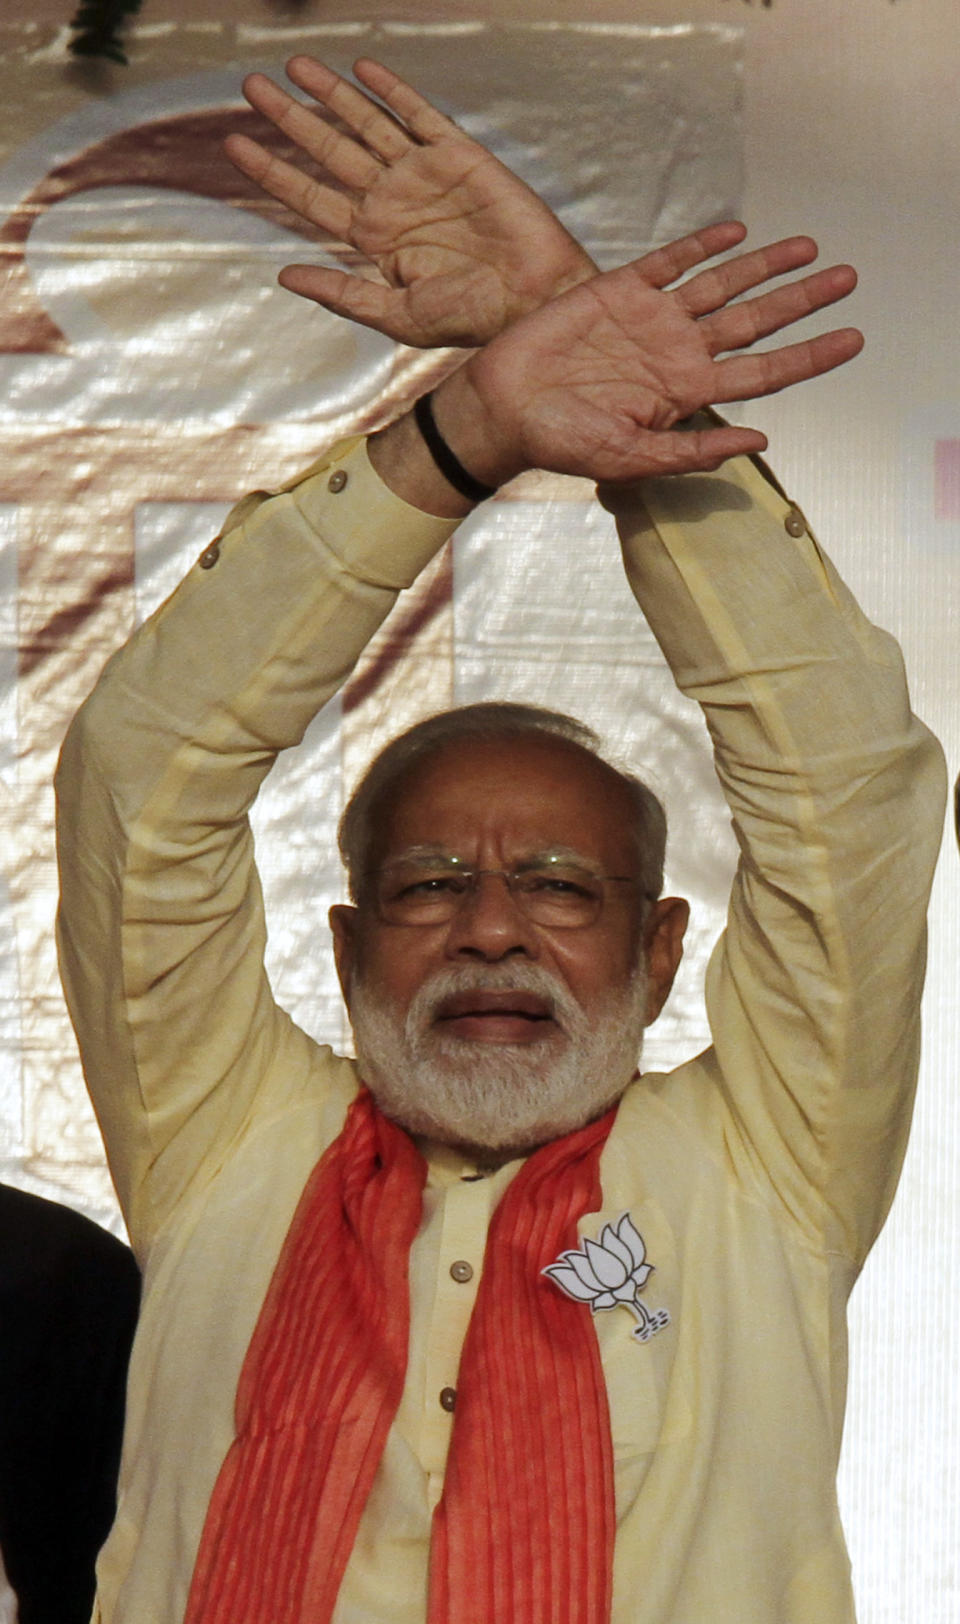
611 1272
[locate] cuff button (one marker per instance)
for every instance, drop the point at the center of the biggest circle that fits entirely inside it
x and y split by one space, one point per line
337 481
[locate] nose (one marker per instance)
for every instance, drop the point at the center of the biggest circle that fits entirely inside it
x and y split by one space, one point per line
490 925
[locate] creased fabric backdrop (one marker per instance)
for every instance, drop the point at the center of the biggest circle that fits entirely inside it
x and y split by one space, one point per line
152 372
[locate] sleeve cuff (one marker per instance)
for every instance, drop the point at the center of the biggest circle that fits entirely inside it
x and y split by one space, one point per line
375 534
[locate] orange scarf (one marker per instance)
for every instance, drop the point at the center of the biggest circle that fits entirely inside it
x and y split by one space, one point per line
524 1532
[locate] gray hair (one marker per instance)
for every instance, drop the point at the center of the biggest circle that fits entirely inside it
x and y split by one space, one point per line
498 719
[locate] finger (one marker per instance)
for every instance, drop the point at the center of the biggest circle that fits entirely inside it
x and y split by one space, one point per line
664 265
336 152
419 115
745 377
369 303
689 451
697 450
742 324
367 119
321 205
712 289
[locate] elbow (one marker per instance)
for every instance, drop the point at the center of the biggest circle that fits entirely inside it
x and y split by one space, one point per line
76 753
82 776
925 792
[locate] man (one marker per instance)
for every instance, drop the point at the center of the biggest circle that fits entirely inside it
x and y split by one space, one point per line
380 1374
68 1307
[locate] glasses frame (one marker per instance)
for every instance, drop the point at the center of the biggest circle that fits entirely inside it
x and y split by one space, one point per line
512 877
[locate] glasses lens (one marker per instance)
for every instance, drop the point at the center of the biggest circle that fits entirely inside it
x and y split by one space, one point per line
419 893
559 894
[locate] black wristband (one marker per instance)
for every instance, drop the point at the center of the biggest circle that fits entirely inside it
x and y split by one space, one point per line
449 465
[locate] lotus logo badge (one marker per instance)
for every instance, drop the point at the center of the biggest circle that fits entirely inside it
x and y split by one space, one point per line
611 1273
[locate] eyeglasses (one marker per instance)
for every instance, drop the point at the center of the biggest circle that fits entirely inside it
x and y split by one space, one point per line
553 890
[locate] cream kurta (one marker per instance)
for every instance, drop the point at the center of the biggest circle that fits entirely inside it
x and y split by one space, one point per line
758 1174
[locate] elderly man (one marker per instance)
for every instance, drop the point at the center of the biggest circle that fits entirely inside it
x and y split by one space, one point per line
381 1374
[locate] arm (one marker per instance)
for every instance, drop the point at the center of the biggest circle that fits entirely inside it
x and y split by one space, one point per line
161 930
161 926
836 793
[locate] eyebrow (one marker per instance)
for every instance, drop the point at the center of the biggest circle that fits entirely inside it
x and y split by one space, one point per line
427 852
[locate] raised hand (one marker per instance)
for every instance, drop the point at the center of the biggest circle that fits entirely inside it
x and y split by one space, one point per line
464 247
595 382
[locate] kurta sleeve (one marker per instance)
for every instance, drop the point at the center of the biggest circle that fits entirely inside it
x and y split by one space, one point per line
836 792
161 927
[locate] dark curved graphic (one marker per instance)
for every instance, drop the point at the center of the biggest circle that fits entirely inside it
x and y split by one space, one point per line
183 152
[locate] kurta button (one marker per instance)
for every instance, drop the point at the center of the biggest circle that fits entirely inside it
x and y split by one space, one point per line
462 1271
794 523
209 558
337 481
448 1398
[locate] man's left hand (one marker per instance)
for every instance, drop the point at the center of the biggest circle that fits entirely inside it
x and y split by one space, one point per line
464 246
597 382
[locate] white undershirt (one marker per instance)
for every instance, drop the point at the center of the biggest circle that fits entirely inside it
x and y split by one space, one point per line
8 1601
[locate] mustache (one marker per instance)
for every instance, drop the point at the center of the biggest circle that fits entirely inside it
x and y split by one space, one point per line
510 977
500 1097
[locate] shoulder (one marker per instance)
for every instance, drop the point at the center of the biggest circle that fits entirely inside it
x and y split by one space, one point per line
45 1245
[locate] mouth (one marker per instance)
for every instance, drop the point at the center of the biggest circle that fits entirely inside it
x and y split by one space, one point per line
508 1016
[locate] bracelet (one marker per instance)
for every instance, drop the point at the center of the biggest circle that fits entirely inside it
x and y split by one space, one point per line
449 465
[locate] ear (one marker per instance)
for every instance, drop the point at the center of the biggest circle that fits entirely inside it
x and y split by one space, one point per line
343 924
663 943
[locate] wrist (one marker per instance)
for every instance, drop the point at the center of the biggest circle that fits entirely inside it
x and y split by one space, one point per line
450 466
476 435
402 460
471 433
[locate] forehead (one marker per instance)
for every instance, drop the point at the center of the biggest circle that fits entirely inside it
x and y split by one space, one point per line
508 798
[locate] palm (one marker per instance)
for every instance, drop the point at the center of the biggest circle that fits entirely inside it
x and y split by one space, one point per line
596 381
451 231
634 362
464 247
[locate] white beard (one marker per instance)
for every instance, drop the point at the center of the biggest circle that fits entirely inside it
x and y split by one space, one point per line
497 1097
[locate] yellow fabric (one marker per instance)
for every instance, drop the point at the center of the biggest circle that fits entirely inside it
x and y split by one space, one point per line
757 1174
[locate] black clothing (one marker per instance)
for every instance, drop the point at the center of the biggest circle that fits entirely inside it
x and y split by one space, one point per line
69 1294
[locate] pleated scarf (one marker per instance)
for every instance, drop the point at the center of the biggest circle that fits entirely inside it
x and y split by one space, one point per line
524 1531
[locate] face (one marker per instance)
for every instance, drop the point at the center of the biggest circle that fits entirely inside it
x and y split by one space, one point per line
490 994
